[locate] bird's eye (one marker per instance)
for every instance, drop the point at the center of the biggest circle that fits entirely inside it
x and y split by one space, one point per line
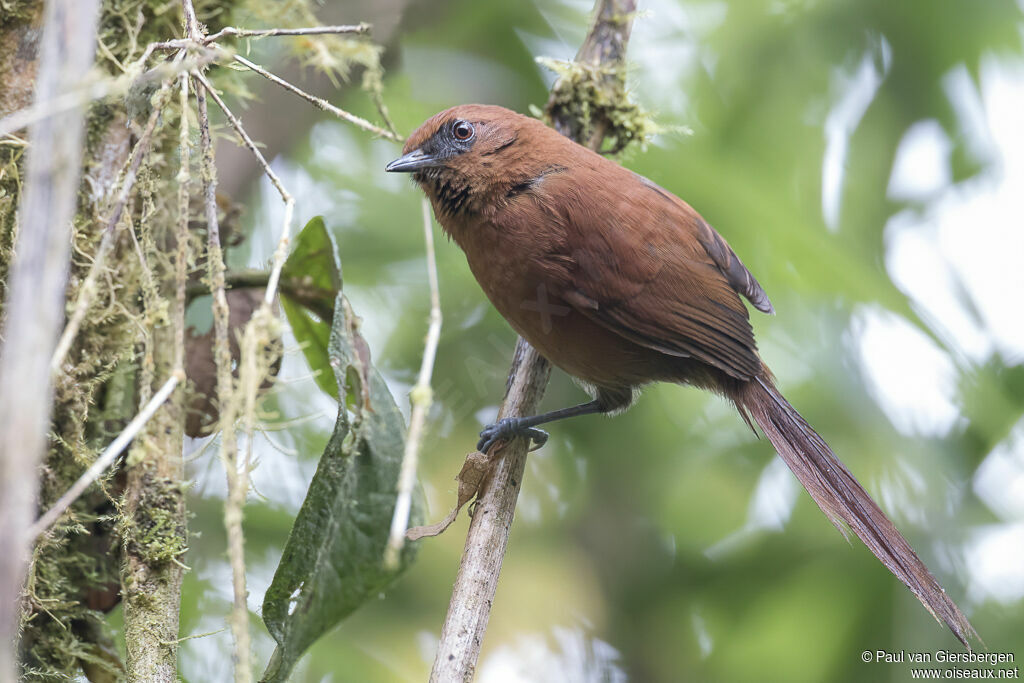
462 131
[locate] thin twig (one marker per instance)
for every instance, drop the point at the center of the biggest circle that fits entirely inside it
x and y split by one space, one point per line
473 594
357 29
421 397
173 44
253 368
13 140
66 101
88 288
178 641
248 278
237 125
239 619
107 457
281 251
321 104
250 377
181 258
75 97
179 43
382 109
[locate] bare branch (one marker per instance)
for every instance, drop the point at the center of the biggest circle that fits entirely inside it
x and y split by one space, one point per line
470 607
281 251
321 104
76 95
34 302
62 102
107 457
422 398
357 29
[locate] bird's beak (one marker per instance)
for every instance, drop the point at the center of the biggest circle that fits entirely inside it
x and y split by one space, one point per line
413 161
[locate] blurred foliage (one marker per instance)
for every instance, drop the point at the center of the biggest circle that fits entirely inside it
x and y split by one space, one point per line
642 547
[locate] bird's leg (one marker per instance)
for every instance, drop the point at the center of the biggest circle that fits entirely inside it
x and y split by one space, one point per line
508 428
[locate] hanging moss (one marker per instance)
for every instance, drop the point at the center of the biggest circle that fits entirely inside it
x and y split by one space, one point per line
75 576
10 190
76 571
69 588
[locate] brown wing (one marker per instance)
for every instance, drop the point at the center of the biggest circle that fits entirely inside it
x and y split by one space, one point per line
740 279
645 265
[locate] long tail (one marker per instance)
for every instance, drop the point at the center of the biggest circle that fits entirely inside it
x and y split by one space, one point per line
843 499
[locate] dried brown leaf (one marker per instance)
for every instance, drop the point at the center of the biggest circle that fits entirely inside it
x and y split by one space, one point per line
474 473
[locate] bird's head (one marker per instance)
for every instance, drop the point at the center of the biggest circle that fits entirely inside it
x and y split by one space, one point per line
463 155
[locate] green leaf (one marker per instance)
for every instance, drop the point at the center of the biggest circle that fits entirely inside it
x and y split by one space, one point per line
314 260
310 282
332 562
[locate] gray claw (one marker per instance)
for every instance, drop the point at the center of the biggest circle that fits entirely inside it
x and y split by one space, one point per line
507 429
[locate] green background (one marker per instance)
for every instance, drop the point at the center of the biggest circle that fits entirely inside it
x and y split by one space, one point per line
669 543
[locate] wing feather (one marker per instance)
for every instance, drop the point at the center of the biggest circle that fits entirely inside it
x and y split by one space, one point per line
653 272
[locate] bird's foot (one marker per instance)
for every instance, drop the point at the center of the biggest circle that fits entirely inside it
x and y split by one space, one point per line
507 429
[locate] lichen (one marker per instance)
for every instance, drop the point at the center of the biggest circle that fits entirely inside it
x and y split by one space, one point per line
595 95
156 532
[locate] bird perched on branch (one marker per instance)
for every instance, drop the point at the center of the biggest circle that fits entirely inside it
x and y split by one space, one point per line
620 283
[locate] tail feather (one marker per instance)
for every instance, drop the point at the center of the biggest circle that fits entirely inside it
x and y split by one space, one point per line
841 497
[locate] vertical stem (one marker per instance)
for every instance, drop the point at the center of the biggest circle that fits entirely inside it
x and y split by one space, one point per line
225 393
34 306
422 398
237 487
470 607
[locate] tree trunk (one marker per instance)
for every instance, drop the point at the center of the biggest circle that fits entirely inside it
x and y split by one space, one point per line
34 300
122 350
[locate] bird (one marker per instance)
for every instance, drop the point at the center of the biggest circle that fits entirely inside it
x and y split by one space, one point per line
621 284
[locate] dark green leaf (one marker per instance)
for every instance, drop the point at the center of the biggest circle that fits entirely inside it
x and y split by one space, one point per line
313 261
332 562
